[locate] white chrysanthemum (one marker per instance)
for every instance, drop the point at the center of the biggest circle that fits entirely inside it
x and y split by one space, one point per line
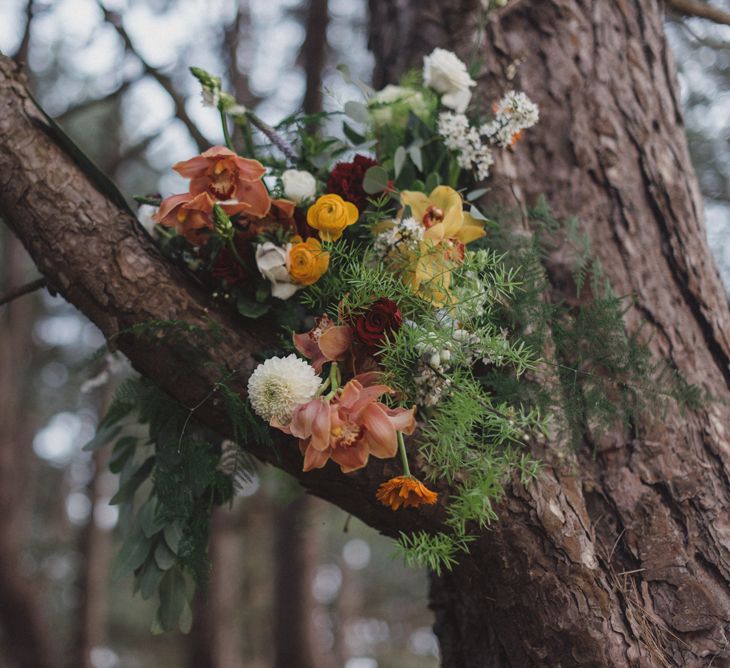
279 385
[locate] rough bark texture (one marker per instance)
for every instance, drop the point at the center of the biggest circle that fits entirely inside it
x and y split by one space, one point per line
625 563
620 559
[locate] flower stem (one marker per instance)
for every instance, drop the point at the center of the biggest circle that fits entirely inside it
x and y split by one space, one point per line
403 456
226 134
333 380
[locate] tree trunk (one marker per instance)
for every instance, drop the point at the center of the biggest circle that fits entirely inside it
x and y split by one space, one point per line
625 562
620 558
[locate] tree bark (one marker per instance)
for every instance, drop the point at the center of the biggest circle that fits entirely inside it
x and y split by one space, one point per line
621 557
625 562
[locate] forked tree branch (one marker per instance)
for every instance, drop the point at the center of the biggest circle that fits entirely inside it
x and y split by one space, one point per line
22 290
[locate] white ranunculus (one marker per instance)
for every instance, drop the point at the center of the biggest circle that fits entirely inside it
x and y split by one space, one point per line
272 262
392 103
447 75
298 185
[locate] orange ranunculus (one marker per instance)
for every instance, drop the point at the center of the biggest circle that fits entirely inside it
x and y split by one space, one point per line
307 262
405 491
330 215
226 176
350 427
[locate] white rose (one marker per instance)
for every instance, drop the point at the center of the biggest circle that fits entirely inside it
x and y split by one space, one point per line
447 75
272 262
298 185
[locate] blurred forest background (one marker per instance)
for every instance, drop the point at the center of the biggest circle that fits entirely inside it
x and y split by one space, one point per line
294 581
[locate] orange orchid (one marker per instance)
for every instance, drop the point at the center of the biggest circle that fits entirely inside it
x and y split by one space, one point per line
350 426
227 176
325 342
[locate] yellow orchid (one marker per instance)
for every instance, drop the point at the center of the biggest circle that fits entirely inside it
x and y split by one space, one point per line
442 214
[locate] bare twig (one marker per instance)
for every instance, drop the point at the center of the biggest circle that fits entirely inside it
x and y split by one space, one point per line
22 290
698 9
165 81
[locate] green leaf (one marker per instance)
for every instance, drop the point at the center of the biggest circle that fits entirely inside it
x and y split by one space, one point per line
173 536
399 159
186 619
128 488
476 194
249 308
102 437
164 556
149 579
357 111
123 451
433 180
150 517
172 598
134 551
355 137
375 181
416 157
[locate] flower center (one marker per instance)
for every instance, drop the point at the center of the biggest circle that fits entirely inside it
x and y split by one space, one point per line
432 216
346 434
222 181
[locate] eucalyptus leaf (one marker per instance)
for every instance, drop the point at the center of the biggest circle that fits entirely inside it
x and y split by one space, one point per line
149 579
399 159
355 137
122 453
476 194
433 180
128 488
173 536
131 556
172 599
150 518
102 437
357 111
414 153
186 619
249 308
164 557
375 181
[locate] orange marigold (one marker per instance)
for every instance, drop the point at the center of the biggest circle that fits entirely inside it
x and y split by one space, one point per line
405 491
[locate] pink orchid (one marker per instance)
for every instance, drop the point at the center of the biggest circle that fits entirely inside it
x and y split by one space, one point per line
325 342
350 427
225 176
191 214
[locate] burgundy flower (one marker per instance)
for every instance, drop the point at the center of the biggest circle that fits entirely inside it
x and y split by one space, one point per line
227 267
346 180
381 320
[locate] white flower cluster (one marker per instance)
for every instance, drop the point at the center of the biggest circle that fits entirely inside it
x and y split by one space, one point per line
279 385
430 375
514 113
459 136
405 234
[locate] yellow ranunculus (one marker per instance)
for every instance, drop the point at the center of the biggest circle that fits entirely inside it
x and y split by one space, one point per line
307 261
442 214
330 214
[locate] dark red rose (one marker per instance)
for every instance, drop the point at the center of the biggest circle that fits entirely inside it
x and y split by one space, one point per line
227 267
346 180
381 320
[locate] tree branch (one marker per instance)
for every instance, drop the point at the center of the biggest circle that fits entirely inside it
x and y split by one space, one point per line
165 81
22 290
100 260
701 10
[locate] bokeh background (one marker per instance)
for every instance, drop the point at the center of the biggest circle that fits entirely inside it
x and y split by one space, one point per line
295 582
